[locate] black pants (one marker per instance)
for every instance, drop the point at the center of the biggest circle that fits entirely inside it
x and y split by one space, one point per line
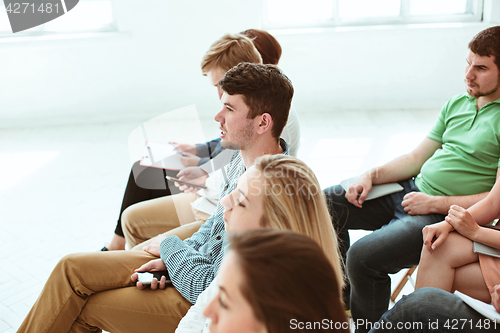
145 183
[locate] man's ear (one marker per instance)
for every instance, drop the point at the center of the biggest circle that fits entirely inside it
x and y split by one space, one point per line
265 123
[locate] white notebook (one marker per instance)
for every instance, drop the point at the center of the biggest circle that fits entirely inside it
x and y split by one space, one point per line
486 310
376 191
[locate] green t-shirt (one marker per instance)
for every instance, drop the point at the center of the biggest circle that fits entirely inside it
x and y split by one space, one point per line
468 160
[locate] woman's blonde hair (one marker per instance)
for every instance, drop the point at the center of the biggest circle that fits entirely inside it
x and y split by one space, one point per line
293 200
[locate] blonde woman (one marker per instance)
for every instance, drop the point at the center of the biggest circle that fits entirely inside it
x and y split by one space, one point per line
278 192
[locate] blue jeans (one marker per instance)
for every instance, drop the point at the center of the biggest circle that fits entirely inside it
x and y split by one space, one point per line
433 310
394 244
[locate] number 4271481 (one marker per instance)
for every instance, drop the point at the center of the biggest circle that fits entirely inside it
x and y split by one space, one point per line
26 7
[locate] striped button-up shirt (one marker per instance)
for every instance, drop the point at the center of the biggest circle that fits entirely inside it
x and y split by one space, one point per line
193 263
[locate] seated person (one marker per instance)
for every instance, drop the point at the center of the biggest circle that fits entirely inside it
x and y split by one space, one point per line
147 183
448 261
93 291
436 310
303 210
456 164
252 284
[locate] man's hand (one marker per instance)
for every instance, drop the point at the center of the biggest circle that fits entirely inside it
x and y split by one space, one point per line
462 221
495 298
418 203
189 159
357 193
185 147
151 266
194 175
435 234
154 246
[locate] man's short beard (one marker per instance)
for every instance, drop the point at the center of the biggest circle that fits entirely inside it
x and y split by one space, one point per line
479 94
491 92
229 145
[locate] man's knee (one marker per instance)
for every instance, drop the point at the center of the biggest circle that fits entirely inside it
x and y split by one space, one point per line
357 258
71 264
334 193
427 300
129 216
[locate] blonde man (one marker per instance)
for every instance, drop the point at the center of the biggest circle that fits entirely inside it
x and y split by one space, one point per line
144 220
89 292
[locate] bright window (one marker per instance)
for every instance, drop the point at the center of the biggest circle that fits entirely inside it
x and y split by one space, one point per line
334 13
86 16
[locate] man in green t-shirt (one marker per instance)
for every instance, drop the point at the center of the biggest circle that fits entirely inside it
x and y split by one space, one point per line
457 163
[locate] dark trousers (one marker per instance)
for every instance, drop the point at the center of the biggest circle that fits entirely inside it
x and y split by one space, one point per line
394 244
145 183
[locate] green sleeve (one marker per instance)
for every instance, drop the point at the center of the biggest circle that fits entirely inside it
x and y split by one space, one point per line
436 133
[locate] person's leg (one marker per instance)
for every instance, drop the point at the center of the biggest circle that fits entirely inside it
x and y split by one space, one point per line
144 183
374 214
371 259
132 310
437 269
73 280
182 232
200 216
150 218
469 280
117 242
345 216
433 310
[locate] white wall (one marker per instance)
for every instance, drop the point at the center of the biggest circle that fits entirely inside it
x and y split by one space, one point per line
152 66
385 68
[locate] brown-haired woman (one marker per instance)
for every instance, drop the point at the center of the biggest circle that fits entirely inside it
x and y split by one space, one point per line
276 281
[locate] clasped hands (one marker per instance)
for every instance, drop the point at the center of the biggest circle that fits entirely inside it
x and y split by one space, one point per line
458 219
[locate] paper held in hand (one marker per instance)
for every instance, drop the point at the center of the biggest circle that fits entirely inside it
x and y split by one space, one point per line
161 155
376 191
486 310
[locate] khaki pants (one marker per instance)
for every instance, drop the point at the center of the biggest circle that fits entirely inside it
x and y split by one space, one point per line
147 219
88 292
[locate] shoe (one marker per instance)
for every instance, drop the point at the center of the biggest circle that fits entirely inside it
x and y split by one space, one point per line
104 248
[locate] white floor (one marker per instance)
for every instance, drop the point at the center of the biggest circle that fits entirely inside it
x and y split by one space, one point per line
61 187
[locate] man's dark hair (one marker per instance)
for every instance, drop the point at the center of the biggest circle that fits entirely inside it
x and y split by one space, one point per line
487 43
265 89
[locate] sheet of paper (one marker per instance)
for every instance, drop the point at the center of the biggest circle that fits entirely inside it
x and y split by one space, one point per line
486 310
161 155
377 190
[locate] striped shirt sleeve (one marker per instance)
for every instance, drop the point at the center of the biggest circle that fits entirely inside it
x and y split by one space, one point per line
193 263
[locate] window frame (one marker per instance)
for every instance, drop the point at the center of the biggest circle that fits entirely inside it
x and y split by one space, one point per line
475 14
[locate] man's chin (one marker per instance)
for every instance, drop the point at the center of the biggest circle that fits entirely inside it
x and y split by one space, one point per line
473 93
229 145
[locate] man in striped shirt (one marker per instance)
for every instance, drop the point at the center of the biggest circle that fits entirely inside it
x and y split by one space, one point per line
92 291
